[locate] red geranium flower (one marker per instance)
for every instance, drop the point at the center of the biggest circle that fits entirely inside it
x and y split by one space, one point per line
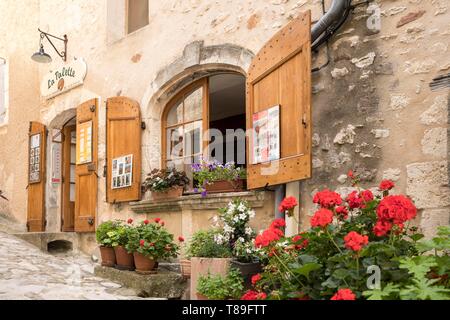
354 200
350 174
288 204
162 223
256 278
181 239
157 220
354 241
146 222
393 210
267 237
366 195
342 212
322 218
300 242
344 294
386 185
327 199
278 223
142 243
253 295
130 221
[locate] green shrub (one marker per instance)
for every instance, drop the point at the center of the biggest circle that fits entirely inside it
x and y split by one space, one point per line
105 231
203 245
217 287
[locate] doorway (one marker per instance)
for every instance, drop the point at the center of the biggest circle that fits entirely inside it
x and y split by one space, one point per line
68 176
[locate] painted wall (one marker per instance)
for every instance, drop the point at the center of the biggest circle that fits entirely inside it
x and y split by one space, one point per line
385 120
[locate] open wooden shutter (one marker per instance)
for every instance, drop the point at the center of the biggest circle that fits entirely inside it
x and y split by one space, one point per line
280 75
123 150
86 167
36 177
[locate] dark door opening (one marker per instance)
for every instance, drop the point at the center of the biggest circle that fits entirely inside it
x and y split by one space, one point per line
68 184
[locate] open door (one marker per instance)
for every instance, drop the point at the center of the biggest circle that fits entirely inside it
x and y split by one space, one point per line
68 183
37 143
279 108
86 167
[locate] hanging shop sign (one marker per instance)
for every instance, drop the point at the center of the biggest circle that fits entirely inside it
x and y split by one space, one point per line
84 142
64 78
266 135
35 161
56 162
122 172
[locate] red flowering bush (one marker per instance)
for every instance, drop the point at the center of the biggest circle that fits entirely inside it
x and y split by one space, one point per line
386 185
332 259
287 205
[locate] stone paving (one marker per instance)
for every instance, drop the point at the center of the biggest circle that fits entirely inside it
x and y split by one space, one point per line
26 273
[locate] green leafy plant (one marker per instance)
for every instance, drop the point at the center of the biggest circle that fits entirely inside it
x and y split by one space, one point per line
120 235
152 240
106 233
217 287
164 179
203 245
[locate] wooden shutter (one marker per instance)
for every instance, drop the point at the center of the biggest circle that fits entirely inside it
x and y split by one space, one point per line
123 138
37 143
86 167
280 74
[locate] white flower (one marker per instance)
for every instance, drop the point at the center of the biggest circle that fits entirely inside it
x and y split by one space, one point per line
236 219
218 238
242 216
282 244
242 207
215 219
251 213
248 231
240 239
249 251
228 229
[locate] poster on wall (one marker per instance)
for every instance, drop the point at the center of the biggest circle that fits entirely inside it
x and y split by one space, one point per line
122 172
266 138
84 143
35 161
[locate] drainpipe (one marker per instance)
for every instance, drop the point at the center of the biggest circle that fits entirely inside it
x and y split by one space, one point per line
330 22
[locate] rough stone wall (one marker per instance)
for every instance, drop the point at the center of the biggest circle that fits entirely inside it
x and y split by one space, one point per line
385 122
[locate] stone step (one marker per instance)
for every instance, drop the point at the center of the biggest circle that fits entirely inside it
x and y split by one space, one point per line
164 284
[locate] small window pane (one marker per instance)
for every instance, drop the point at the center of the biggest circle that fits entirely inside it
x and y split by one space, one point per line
137 14
174 142
72 192
193 138
73 152
72 173
193 105
175 115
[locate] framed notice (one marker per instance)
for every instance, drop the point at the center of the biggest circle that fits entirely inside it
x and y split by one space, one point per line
122 172
34 158
84 142
266 135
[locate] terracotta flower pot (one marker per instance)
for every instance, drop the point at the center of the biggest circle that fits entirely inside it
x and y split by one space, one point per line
172 193
185 266
201 297
225 186
144 265
108 256
124 260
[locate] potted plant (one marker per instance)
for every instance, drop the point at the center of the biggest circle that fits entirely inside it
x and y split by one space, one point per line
214 177
119 239
165 183
218 287
150 242
103 236
207 257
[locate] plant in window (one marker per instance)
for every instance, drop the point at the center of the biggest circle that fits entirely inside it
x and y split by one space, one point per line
166 182
217 287
212 176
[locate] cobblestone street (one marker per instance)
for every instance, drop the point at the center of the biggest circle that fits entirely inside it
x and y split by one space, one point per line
28 273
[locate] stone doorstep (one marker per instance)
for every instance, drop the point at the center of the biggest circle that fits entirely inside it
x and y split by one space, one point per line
164 284
197 202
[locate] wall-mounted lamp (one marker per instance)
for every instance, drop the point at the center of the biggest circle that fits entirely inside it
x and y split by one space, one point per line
41 56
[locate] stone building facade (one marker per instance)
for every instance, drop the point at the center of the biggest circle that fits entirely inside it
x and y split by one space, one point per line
372 108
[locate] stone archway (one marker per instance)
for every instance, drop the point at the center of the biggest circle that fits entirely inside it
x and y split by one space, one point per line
198 61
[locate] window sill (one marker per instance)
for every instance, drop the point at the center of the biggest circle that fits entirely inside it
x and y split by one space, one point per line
197 202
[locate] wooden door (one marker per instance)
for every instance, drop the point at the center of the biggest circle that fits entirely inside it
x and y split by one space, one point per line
280 77
86 167
123 148
68 183
37 142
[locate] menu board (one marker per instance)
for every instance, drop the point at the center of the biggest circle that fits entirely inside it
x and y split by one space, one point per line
84 145
122 172
266 135
35 160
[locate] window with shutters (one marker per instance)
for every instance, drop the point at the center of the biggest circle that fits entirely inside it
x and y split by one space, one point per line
210 106
3 91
